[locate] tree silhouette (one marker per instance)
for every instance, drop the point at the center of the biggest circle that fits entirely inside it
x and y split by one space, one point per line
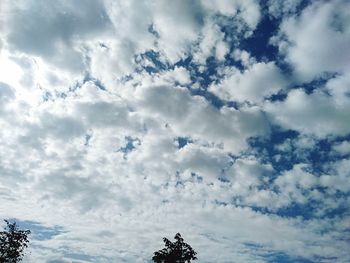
175 252
12 243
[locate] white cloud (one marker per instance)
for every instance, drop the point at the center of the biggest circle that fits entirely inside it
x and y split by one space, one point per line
52 30
257 82
194 117
317 113
211 43
249 11
316 42
342 148
292 182
282 8
209 163
340 179
244 57
221 51
177 24
178 75
6 95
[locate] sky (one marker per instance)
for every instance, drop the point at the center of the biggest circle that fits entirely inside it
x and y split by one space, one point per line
123 122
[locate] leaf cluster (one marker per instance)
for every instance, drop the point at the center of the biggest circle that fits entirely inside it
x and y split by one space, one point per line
175 252
13 241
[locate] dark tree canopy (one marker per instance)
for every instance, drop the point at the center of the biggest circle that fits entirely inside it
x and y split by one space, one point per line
13 241
175 252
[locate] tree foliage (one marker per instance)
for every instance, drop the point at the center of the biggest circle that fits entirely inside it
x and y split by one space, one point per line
13 241
175 252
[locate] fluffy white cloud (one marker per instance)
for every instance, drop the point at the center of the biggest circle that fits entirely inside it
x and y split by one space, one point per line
340 179
244 57
53 30
292 182
342 148
179 75
249 11
206 162
317 113
316 42
6 95
282 8
257 82
194 117
212 43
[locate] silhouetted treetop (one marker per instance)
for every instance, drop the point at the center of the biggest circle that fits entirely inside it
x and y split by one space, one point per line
13 241
175 252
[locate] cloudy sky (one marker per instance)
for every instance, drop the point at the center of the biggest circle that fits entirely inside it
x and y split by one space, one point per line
122 122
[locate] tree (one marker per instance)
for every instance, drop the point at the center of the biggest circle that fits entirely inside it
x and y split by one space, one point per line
175 252
13 241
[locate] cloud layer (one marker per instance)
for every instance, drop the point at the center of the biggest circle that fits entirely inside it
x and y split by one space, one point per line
123 122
